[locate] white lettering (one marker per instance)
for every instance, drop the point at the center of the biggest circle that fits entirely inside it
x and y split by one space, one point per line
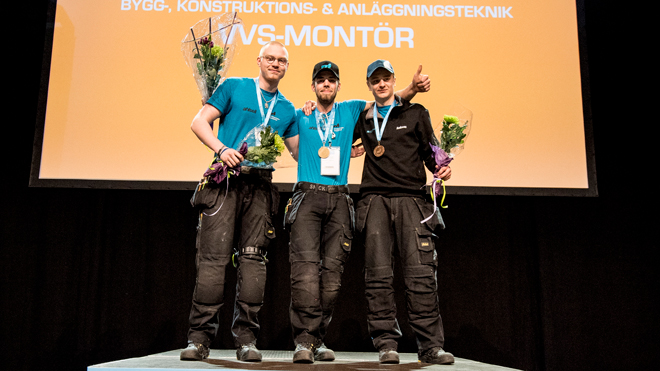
145 5
262 32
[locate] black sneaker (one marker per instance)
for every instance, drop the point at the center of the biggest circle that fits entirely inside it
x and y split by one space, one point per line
194 352
248 353
389 356
303 354
322 353
437 356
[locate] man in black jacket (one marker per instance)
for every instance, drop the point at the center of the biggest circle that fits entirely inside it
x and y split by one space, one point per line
396 135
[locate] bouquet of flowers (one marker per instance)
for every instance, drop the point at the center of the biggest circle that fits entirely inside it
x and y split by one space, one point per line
263 147
270 147
452 131
208 49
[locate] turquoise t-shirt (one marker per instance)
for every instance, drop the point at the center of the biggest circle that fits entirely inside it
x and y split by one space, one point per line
236 98
346 115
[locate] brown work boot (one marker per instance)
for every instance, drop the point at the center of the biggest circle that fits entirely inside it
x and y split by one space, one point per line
322 353
303 353
437 356
389 356
248 353
194 352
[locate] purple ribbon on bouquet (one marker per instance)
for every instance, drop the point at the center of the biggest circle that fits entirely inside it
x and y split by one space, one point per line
218 171
441 159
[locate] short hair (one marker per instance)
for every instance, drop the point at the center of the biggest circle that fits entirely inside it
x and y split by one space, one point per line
261 52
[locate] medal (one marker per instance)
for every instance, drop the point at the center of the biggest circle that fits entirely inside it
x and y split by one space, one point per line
379 150
328 122
324 152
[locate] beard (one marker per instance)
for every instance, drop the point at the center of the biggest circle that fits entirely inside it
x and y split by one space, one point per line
325 98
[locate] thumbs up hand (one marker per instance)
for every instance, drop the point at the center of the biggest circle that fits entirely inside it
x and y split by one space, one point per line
421 83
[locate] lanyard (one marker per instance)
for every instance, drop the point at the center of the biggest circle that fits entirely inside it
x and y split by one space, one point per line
261 108
379 130
329 123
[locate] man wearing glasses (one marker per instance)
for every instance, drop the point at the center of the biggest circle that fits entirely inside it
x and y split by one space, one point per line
320 212
394 217
236 215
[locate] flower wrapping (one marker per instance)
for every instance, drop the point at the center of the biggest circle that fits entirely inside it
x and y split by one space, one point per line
208 49
264 146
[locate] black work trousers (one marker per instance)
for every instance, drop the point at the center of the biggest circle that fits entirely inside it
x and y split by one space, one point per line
320 221
393 231
237 218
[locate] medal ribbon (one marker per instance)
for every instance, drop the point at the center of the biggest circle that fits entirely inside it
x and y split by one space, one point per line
329 124
379 130
266 117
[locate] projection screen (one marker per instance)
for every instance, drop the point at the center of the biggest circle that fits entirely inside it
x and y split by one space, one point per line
118 97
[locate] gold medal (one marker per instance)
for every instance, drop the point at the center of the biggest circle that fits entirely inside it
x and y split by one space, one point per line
379 150
324 152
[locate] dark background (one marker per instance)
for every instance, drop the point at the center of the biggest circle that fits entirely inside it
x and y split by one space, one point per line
529 282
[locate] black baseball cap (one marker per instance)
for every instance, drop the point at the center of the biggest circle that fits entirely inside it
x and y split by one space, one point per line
380 63
325 65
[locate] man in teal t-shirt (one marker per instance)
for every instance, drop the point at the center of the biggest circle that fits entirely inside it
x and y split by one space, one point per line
320 213
235 216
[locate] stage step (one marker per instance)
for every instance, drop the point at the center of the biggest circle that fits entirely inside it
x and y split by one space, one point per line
225 359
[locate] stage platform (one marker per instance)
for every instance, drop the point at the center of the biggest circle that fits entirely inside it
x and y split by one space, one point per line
225 359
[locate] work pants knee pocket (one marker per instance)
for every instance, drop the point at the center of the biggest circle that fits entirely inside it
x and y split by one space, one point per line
252 276
421 288
210 284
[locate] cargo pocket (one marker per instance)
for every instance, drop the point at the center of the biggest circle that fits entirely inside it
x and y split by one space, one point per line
425 246
291 210
205 196
266 235
435 224
346 243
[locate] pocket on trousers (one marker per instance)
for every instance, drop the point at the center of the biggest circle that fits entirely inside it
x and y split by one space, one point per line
425 246
205 196
435 224
291 210
266 235
346 239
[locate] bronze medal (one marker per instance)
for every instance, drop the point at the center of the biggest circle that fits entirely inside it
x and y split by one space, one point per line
379 150
324 152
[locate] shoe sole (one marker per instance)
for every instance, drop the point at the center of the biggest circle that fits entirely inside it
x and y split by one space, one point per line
444 359
325 356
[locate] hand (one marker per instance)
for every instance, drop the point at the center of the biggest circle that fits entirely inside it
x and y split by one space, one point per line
357 151
231 157
443 173
310 105
421 83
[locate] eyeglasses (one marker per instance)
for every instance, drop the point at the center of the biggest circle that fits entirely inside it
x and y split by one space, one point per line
270 60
